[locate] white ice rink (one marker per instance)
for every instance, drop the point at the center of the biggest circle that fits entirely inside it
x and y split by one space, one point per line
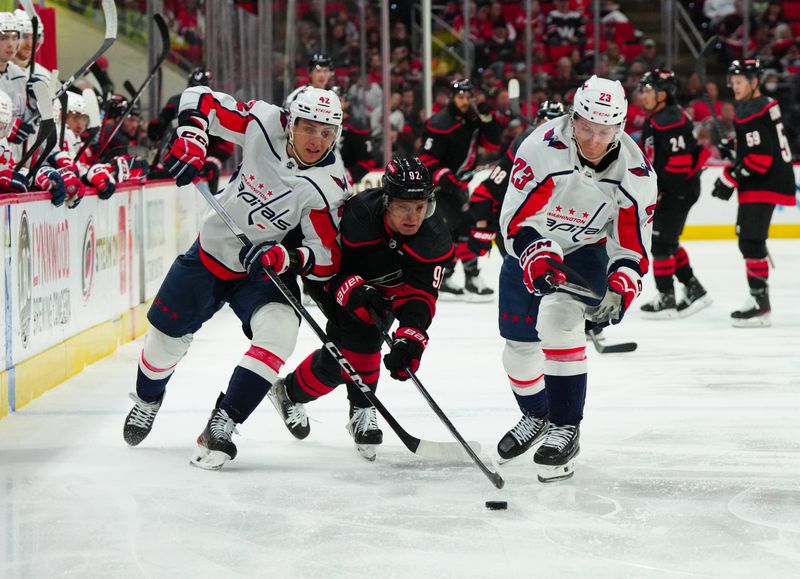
690 462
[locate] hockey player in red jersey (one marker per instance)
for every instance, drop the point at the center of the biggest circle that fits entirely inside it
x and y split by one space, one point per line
286 197
678 160
394 253
763 175
450 144
580 199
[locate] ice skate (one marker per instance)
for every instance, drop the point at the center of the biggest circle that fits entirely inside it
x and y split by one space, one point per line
527 432
695 298
215 446
476 290
662 307
555 458
363 427
450 292
140 419
755 313
292 413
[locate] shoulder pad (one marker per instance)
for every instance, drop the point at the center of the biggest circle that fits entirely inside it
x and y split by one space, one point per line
356 125
442 122
668 116
432 243
752 107
362 218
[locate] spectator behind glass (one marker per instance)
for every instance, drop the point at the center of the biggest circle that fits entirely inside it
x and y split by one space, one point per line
692 90
717 10
565 26
615 62
648 56
564 78
773 14
700 105
611 12
498 49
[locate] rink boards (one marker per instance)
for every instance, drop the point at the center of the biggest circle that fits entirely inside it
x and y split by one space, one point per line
76 283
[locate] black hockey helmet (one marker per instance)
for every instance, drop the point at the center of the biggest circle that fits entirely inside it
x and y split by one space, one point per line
459 86
115 106
550 110
408 178
320 60
749 67
200 76
660 79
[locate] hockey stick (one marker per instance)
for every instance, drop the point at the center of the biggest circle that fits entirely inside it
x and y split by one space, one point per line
110 13
130 88
579 288
165 46
619 348
32 63
493 476
46 127
424 448
513 101
52 138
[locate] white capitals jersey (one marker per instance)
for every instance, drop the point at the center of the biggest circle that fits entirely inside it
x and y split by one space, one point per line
551 195
269 196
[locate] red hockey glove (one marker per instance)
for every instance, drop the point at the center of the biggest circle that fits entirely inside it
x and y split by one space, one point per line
62 160
63 185
360 298
622 290
270 254
480 240
187 150
20 131
407 347
101 177
536 271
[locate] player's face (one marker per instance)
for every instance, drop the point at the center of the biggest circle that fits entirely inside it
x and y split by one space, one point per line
319 77
130 125
405 216
649 97
311 140
77 123
742 87
462 101
9 42
25 46
593 138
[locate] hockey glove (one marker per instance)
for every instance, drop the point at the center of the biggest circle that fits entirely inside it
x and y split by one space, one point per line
724 186
727 149
540 275
621 292
101 178
480 240
155 130
187 150
131 168
48 179
20 131
360 298
407 347
270 254
485 112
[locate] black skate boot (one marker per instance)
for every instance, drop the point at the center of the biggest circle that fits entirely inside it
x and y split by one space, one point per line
694 299
293 413
140 419
476 290
661 308
215 446
363 427
449 291
755 311
555 457
528 431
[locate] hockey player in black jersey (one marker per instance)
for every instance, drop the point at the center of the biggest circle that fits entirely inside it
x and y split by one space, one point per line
763 175
394 253
678 160
450 144
354 146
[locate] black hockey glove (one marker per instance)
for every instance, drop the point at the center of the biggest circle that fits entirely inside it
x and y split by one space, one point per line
407 347
485 112
18 183
359 299
722 191
727 149
480 240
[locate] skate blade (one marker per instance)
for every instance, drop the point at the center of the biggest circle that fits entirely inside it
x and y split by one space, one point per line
367 451
695 306
756 322
553 473
669 314
208 459
478 299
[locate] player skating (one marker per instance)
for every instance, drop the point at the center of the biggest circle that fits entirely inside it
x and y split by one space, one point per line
581 194
450 149
285 196
678 161
394 253
763 175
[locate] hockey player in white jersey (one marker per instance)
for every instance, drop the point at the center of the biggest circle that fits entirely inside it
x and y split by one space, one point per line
23 57
286 196
579 202
13 80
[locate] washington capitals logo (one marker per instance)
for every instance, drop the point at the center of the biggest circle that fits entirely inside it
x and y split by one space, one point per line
642 170
552 140
340 182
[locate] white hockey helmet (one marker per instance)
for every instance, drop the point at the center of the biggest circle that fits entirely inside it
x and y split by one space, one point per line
601 101
9 23
318 105
76 104
6 114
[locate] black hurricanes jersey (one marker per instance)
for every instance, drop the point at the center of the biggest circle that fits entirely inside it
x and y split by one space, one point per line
672 149
763 167
410 269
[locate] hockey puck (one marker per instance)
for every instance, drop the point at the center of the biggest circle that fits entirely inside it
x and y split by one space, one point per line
497 505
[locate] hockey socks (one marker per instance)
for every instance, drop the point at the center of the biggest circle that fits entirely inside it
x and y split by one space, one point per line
757 273
566 396
683 269
150 389
246 390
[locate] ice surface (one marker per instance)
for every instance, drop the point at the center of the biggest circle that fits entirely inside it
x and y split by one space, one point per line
690 462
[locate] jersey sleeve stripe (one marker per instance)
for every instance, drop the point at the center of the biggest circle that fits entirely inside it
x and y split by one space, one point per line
235 121
538 198
757 162
325 229
418 257
433 129
758 114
